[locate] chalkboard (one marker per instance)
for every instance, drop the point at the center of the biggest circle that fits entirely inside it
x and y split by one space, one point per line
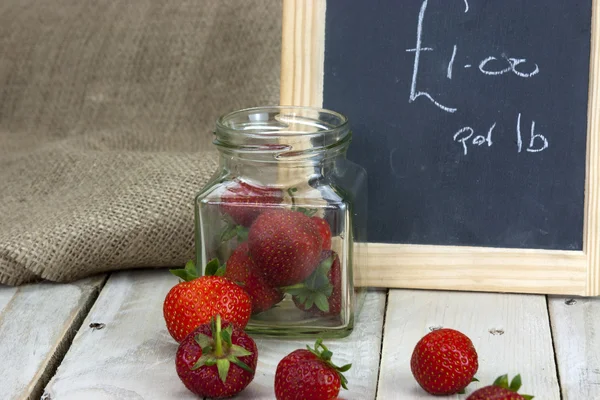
475 132
478 122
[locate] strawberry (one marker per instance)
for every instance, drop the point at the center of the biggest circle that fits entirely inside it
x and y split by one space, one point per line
321 292
215 361
325 232
285 246
241 269
444 362
500 390
196 300
244 202
309 374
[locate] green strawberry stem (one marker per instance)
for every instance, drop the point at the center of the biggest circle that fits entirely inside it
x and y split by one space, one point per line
291 192
321 351
293 287
219 350
217 337
306 211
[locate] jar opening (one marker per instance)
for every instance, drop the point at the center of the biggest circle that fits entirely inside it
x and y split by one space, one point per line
283 132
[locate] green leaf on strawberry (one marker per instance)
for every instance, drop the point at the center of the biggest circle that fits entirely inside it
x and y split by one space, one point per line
501 389
323 353
219 350
321 292
316 289
309 374
203 349
214 268
190 272
233 230
228 233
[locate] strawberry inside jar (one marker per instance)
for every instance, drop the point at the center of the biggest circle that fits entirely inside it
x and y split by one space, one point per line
285 216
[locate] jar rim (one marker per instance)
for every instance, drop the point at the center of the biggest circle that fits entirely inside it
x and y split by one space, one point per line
293 111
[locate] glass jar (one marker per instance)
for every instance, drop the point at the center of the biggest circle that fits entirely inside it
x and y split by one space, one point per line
286 214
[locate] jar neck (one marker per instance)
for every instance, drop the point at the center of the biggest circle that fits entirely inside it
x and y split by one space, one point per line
286 143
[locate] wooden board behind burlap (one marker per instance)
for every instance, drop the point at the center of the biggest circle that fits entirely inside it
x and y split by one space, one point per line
106 117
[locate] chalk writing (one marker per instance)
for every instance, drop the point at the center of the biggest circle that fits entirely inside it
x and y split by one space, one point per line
477 141
534 137
488 66
414 94
449 73
537 141
513 63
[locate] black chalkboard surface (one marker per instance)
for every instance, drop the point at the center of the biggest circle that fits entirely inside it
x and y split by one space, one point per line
478 122
470 117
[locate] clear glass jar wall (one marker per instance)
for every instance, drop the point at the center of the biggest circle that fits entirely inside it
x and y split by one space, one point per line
286 214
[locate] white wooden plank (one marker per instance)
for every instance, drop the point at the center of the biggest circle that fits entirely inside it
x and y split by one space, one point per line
6 294
37 322
133 356
510 332
576 330
361 348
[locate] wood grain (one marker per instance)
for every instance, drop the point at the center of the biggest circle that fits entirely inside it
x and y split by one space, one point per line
37 323
361 349
133 356
474 269
510 332
303 56
576 327
591 238
428 267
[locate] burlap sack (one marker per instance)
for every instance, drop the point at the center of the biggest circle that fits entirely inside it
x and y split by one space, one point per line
106 114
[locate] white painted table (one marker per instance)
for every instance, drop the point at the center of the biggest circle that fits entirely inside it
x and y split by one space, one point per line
49 350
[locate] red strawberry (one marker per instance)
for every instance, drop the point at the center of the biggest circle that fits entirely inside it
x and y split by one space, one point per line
241 269
215 361
244 202
500 390
194 302
285 246
325 232
321 292
309 374
444 362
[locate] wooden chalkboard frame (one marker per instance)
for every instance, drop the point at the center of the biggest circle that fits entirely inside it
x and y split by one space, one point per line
456 267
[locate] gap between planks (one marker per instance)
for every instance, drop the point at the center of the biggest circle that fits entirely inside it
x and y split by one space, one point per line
575 323
510 332
133 355
37 323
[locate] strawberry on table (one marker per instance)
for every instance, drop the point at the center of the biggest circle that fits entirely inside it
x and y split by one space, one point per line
196 300
309 374
216 361
321 292
444 362
241 269
501 390
244 202
285 246
325 232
